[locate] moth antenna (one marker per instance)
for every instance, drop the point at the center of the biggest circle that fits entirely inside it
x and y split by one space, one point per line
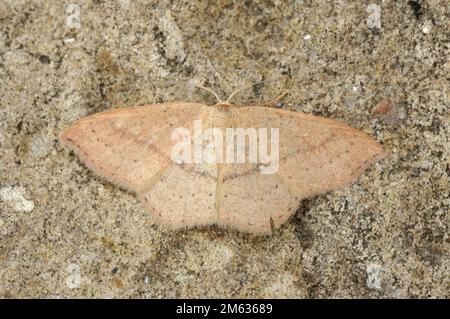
210 91
275 100
241 89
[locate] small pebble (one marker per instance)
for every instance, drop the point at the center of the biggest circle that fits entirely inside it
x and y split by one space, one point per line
390 111
73 280
15 198
44 59
374 276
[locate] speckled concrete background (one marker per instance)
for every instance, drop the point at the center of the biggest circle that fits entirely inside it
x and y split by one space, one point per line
66 233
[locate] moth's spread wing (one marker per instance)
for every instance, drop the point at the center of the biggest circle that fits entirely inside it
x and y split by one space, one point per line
130 146
315 155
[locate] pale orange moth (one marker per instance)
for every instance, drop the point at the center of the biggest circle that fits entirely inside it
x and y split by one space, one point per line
131 147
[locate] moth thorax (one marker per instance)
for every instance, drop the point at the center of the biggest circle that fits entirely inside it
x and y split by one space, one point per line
222 106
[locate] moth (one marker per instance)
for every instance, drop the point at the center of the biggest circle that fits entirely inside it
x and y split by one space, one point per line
134 148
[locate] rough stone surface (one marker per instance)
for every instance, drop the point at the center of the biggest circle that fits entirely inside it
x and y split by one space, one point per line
384 236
